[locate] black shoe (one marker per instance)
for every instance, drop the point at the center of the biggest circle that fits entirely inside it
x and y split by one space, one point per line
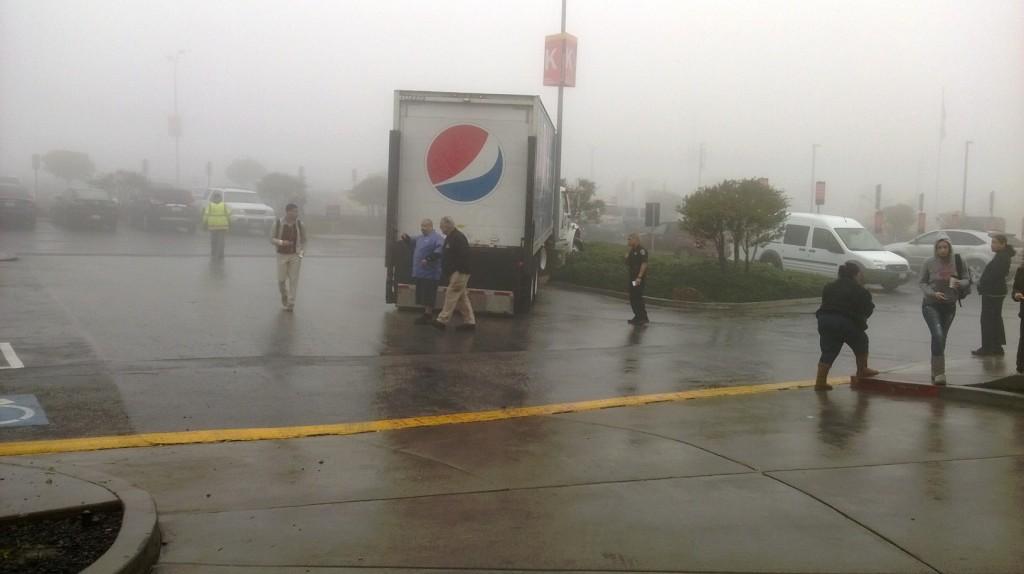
424 320
466 327
641 322
981 352
998 352
438 325
633 321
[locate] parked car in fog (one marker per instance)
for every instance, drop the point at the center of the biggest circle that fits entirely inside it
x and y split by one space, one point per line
85 207
973 246
821 243
248 211
159 206
17 207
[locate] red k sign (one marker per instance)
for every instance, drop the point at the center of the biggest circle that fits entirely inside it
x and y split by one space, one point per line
560 60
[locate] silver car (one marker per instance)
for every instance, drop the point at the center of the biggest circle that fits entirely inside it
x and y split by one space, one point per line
973 246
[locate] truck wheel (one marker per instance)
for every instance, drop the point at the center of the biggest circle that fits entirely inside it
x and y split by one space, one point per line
527 292
772 259
890 286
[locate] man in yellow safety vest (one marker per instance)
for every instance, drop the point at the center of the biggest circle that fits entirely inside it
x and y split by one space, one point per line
217 219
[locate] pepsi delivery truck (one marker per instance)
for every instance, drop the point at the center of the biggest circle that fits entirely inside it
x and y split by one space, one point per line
487 161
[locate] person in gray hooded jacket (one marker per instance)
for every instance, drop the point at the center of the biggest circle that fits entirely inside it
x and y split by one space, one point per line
944 280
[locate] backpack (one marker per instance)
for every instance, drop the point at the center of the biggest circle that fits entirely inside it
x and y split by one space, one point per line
961 271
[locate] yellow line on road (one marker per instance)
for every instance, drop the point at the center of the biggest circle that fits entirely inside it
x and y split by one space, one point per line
341 429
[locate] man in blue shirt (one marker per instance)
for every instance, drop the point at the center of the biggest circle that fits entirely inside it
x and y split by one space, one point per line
426 267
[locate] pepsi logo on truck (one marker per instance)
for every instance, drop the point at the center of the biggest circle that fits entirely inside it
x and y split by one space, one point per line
465 163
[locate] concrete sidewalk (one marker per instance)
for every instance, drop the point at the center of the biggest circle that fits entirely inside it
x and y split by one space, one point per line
792 481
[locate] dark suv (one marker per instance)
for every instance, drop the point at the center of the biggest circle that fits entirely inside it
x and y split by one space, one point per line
17 208
163 206
85 207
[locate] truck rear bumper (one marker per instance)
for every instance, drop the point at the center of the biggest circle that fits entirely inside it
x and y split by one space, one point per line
488 301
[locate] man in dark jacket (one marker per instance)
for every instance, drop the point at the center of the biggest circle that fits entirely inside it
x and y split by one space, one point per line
455 266
992 288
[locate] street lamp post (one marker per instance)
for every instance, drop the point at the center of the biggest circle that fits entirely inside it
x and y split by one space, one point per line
175 123
814 165
963 199
558 121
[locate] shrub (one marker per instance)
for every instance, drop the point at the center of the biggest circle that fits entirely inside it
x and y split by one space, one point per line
603 266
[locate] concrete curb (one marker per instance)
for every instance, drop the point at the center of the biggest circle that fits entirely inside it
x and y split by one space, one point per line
7 257
976 395
137 546
694 305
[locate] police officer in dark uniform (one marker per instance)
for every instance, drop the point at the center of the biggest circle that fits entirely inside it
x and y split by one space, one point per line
636 260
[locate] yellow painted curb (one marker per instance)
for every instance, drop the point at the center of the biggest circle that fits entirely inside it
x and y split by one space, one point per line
341 429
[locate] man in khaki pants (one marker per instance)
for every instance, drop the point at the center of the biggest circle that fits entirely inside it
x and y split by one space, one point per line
290 239
455 266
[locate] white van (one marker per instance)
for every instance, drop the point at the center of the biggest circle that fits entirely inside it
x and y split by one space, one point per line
821 243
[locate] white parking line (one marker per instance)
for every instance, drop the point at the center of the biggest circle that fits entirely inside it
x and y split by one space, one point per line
13 361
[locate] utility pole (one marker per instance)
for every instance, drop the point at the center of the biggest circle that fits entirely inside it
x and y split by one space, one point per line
558 122
963 199
35 170
814 179
175 123
700 166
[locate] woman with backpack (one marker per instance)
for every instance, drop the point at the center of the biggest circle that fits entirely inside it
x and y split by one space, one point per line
943 283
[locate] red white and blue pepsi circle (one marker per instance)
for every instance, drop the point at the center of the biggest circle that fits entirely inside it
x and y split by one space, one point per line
465 163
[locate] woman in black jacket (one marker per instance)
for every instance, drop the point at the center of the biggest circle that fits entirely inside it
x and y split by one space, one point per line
1018 295
843 319
992 288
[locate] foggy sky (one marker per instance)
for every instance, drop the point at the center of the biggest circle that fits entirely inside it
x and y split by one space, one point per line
310 83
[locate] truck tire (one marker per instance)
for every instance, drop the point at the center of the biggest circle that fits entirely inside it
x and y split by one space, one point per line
527 292
890 286
772 258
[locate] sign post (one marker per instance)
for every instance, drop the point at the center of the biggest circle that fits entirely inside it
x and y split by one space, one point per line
819 194
559 70
652 218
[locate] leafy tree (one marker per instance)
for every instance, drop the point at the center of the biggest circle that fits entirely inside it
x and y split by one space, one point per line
705 215
245 171
583 206
279 189
758 215
744 214
371 192
68 165
897 220
121 183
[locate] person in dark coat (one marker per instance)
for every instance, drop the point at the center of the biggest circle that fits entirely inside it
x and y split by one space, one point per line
843 319
1018 295
992 288
455 266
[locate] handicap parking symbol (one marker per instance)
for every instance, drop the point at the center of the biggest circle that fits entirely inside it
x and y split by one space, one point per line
21 411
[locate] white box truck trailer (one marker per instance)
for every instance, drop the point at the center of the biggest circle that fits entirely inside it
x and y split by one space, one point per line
487 161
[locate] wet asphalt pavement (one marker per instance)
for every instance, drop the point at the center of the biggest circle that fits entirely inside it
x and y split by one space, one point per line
131 332
140 332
